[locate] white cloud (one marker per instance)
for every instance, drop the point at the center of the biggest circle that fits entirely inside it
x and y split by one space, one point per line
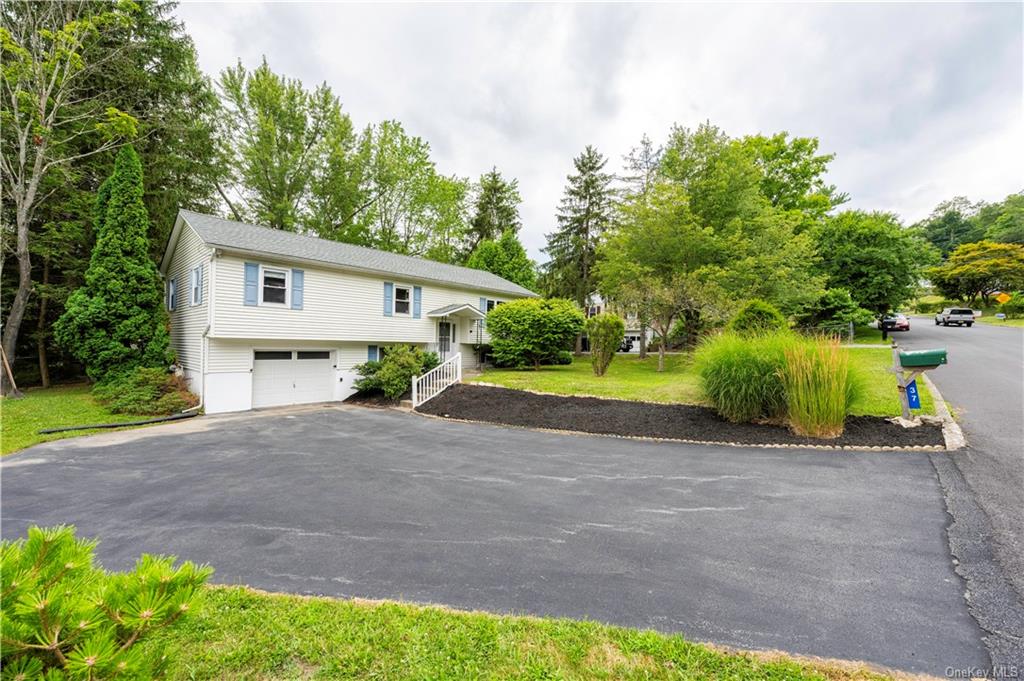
920 102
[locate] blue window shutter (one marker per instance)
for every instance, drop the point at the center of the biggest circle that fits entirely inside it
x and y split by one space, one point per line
417 297
199 285
389 298
298 282
171 293
371 353
252 277
483 308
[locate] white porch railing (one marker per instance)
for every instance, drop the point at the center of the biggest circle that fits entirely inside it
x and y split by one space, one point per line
434 382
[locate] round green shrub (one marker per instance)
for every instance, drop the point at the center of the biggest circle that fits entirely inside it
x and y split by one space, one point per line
144 390
604 333
532 331
757 316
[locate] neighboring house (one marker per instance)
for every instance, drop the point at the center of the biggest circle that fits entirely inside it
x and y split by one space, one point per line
596 305
263 317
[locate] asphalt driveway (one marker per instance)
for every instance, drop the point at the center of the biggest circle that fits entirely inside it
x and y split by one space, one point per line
838 554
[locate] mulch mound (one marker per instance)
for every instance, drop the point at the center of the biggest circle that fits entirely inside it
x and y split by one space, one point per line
644 419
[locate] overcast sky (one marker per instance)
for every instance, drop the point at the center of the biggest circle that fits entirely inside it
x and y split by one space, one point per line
920 102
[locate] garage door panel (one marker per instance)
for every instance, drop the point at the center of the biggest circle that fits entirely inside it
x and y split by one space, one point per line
282 377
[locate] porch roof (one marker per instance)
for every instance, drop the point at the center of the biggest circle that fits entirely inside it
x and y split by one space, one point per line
462 310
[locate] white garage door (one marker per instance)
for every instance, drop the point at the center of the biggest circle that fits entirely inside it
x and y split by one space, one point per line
291 377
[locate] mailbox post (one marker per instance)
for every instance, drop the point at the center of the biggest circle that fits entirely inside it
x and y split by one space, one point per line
908 365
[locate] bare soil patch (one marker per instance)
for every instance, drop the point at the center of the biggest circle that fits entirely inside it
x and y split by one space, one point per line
644 419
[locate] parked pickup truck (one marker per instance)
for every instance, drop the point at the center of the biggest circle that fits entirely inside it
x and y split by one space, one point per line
955 315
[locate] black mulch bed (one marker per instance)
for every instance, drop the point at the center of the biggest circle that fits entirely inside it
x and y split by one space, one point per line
671 421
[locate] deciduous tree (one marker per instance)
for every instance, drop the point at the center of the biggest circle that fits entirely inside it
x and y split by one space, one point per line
874 257
48 110
507 258
979 269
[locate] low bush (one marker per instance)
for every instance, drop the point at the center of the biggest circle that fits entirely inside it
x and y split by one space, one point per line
144 390
560 358
532 331
392 375
604 332
65 618
757 317
934 307
740 374
819 388
1013 308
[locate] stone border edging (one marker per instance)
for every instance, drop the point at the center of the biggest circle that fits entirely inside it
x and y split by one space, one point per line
951 431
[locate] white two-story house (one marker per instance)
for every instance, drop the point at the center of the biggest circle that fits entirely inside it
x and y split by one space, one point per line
262 317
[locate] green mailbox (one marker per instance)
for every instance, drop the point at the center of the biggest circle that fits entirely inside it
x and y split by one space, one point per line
920 359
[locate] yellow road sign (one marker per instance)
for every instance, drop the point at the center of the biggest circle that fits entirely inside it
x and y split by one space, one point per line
1002 298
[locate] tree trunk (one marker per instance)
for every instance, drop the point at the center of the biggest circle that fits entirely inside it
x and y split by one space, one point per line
12 324
661 354
44 365
578 350
643 337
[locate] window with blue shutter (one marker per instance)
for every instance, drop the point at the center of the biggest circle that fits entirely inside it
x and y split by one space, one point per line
417 297
252 279
371 353
389 298
298 284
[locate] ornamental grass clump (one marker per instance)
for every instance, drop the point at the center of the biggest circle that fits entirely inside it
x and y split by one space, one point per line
740 375
819 388
65 618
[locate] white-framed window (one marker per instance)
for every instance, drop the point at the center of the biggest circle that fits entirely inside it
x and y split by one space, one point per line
274 286
403 299
172 294
196 285
491 304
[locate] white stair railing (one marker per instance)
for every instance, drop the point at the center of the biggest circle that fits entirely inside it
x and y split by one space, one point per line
434 382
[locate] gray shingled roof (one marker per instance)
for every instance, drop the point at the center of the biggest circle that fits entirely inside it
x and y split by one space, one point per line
448 309
239 236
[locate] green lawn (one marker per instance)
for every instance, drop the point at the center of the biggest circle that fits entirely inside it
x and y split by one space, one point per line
988 317
630 378
239 633
66 405
868 334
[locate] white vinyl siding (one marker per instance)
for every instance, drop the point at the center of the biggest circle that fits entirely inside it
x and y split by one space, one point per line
338 306
227 356
189 321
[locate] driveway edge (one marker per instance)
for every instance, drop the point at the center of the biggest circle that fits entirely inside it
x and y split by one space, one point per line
991 600
951 431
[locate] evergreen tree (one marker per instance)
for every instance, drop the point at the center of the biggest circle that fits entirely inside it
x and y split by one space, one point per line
584 214
496 209
507 258
116 320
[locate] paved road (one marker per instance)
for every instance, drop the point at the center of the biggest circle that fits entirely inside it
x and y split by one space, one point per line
984 381
838 554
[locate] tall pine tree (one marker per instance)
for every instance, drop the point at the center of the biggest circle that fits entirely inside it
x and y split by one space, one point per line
584 214
495 210
116 320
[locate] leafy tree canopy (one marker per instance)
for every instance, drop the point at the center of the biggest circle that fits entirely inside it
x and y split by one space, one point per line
980 269
507 258
874 257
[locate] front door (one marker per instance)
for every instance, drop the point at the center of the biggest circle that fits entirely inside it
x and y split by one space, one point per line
445 332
